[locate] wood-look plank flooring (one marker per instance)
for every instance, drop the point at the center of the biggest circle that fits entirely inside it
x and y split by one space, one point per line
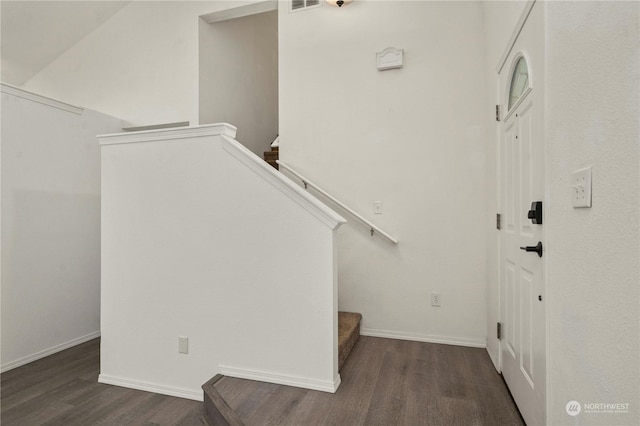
63 389
386 382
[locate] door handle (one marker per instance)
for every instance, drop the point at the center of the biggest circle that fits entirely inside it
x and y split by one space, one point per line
537 248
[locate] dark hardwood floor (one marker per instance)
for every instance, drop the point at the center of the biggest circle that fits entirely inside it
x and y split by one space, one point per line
63 389
384 382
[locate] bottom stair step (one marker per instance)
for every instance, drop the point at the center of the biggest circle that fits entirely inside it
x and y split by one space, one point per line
217 412
348 334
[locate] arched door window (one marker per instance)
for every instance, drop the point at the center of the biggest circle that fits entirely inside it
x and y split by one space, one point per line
519 81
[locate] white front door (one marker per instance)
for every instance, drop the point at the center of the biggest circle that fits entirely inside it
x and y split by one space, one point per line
522 280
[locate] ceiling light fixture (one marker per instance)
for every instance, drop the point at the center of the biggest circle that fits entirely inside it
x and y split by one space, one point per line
338 3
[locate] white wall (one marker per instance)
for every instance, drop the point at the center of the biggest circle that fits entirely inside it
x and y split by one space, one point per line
239 77
592 117
141 65
50 226
412 138
199 241
34 33
500 18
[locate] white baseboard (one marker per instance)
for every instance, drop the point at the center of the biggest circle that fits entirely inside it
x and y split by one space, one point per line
195 394
280 379
46 352
445 340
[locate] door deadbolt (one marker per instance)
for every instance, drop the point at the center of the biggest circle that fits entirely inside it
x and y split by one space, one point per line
535 214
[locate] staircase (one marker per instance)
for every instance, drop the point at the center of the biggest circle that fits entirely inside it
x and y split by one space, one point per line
271 157
218 412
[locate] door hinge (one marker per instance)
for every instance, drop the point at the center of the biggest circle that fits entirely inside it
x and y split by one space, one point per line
497 112
499 331
498 218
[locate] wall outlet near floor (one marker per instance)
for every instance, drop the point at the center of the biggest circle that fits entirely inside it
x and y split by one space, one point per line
183 345
435 299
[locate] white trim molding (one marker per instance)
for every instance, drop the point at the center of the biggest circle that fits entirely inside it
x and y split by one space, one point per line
240 11
50 351
416 337
34 97
514 36
314 206
280 379
168 134
195 394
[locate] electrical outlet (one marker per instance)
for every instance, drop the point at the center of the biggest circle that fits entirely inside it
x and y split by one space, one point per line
435 299
377 207
183 345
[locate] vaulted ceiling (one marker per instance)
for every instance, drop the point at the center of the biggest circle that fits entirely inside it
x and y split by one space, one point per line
34 33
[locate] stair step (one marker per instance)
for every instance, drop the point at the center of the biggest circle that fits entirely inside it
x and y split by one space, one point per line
216 410
271 155
274 164
348 334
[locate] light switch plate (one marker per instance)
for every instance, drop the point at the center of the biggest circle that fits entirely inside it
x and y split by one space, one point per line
581 188
183 344
377 207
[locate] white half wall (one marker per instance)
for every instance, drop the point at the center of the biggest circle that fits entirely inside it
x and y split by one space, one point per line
239 77
412 138
203 239
50 225
593 113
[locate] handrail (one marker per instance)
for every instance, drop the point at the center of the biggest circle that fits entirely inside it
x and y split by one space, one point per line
373 228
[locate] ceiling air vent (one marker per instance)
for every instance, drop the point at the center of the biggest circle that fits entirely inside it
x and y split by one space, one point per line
297 5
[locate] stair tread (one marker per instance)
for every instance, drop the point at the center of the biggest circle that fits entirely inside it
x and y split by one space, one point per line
216 409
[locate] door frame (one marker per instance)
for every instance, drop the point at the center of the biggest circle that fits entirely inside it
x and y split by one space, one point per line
514 35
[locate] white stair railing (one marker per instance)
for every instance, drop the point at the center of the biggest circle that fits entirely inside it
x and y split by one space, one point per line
307 183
